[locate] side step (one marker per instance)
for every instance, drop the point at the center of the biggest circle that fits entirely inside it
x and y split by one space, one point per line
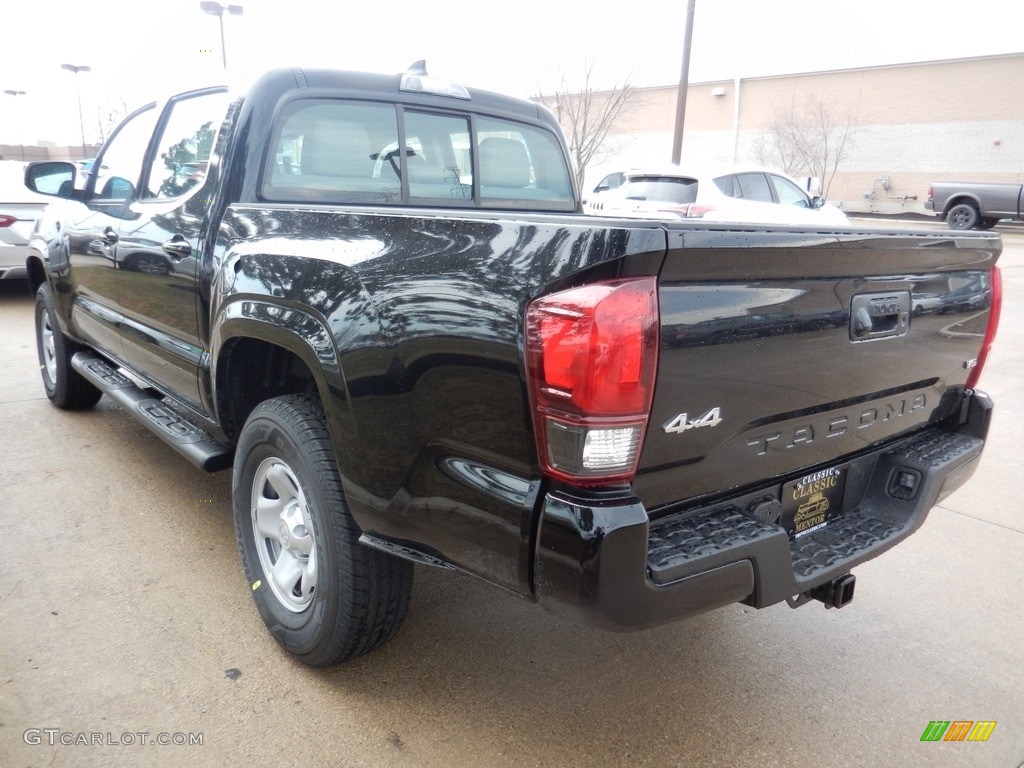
191 441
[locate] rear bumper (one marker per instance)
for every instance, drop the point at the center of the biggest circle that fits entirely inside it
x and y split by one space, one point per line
11 273
12 260
605 563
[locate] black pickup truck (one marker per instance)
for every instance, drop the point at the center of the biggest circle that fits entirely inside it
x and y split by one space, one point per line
376 299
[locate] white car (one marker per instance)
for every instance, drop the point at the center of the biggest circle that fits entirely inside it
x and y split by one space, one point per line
19 209
735 195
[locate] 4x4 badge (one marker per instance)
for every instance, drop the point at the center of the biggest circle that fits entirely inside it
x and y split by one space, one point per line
682 422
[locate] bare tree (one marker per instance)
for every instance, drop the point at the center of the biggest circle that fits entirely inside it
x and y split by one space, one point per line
588 114
806 138
109 115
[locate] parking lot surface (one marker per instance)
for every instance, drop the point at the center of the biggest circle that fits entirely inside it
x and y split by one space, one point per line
125 621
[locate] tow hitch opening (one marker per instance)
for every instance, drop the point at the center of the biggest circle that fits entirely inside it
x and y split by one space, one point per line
836 593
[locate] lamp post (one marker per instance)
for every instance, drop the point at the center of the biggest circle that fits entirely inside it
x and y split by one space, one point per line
216 9
11 92
684 84
78 92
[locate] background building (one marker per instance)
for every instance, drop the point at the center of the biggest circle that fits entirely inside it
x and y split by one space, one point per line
907 125
46 150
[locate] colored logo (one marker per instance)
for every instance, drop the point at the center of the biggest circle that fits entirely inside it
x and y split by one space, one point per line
958 730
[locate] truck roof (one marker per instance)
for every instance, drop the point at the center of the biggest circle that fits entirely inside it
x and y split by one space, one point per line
369 83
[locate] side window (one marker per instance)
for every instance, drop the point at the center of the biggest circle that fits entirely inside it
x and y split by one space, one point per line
521 163
754 186
120 166
186 142
788 192
437 156
726 184
611 181
335 151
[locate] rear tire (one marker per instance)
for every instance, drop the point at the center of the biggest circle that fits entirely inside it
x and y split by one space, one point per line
323 596
962 216
65 386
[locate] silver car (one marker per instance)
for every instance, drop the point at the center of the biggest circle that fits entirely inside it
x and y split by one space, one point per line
19 209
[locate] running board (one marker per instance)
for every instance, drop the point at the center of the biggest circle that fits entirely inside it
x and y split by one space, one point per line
191 441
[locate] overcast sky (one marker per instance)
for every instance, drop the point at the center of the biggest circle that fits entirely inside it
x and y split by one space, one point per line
140 48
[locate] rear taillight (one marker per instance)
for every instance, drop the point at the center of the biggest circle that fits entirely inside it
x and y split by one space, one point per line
990 332
592 357
6 221
689 210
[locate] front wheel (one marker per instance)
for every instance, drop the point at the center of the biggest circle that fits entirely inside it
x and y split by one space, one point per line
65 386
962 216
323 596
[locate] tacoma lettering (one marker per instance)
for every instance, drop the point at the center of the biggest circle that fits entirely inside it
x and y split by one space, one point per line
837 426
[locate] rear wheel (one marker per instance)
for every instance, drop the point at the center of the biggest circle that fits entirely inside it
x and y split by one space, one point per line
962 216
65 386
323 596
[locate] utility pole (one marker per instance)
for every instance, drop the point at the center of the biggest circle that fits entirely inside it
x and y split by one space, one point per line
684 82
78 92
216 9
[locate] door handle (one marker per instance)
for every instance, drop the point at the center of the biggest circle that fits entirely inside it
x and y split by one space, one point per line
879 315
110 236
177 248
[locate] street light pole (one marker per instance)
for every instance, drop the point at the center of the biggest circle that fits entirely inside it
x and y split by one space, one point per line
684 84
78 92
11 92
216 9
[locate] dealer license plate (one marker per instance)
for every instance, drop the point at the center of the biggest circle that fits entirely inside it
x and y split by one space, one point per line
813 501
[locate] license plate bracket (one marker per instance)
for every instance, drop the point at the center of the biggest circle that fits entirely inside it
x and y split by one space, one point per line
813 501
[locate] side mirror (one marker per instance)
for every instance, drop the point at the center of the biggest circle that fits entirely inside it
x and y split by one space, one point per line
817 202
56 179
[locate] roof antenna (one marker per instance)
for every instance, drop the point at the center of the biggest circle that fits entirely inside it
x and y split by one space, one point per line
417 68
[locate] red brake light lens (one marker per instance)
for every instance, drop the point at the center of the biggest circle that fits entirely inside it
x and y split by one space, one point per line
6 221
592 359
990 332
689 210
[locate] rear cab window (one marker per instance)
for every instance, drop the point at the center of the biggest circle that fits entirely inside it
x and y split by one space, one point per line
376 153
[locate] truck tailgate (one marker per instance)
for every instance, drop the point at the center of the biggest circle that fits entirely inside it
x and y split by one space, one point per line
782 351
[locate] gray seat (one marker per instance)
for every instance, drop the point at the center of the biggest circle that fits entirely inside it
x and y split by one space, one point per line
337 148
504 163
